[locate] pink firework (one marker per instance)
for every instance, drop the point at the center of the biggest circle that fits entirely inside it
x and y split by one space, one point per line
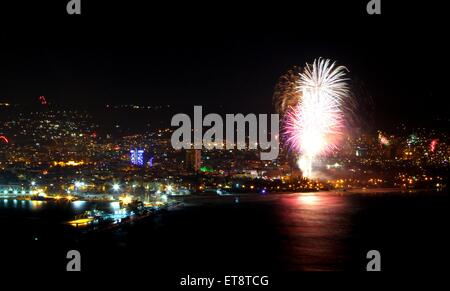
313 125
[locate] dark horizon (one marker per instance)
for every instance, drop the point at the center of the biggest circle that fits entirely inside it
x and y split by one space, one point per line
173 58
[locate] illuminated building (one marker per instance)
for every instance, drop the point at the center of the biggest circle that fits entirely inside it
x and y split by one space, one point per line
361 152
193 160
137 157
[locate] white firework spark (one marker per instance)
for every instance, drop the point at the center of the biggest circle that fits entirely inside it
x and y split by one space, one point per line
315 123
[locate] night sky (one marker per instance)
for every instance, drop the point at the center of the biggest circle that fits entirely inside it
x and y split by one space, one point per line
122 52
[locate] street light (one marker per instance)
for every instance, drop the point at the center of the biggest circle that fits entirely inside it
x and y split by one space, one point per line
116 187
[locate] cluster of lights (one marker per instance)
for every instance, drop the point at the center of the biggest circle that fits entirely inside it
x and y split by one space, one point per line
68 163
409 181
126 199
79 184
16 192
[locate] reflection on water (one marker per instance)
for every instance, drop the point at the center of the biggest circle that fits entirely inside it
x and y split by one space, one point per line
315 226
32 204
21 204
78 205
15 208
293 232
309 199
334 231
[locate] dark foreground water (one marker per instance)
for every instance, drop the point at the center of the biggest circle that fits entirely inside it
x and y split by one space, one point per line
273 233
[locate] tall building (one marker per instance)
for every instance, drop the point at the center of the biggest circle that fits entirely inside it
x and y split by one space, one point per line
137 157
193 160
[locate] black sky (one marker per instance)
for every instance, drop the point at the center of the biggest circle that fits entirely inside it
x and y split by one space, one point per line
225 54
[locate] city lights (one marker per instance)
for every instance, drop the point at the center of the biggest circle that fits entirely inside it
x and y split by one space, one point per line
79 184
303 146
126 199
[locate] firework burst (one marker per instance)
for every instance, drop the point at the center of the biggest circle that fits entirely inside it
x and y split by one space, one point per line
286 93
314 124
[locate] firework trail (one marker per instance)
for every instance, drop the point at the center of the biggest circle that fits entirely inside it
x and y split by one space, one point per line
314 124
286 93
